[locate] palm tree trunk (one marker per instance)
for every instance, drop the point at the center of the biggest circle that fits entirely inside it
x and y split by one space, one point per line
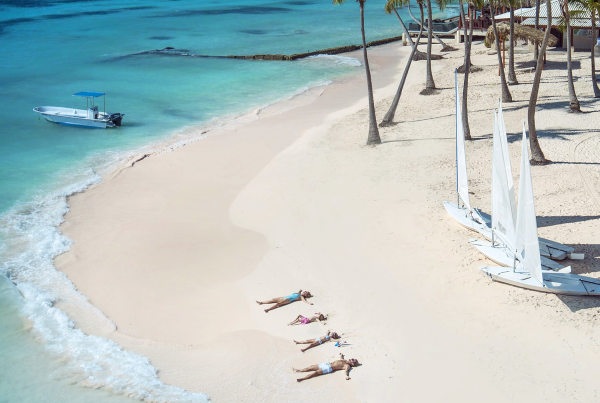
412 44
594 39
437 38
512 77
429 83
537 26
537 156
465 111
573 101
389 116
506 97
373 131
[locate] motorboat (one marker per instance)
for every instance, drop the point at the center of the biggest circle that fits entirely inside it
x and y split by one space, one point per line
89 117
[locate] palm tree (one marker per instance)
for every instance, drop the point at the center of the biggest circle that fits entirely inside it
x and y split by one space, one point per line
593 6
429 83
373 138
573 101
537 26
417 54
512 77
473 5
506 97
392 5
537 156
445 46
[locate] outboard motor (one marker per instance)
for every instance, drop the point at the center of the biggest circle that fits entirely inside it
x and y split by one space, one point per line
116 118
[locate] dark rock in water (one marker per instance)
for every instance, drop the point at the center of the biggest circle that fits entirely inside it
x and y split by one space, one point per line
384 41
170 51
161 38
254 31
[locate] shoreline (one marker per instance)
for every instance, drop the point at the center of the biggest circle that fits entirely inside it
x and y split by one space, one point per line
364 230
125 336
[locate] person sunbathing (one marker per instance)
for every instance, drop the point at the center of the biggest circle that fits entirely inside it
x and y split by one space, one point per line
327 367
306 320
319 340
281 301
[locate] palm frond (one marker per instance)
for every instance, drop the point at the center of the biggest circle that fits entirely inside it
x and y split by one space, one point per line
393 4
338 2
477 4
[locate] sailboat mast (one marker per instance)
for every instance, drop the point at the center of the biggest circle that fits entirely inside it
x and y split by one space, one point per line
456 132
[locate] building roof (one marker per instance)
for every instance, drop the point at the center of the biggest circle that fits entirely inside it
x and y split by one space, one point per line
518 13
582 20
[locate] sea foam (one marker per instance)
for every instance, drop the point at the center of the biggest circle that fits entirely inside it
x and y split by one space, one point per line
336 59
31 241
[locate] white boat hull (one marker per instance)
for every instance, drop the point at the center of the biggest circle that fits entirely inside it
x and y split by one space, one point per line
550 249
76 117
465 217
554 283
501 255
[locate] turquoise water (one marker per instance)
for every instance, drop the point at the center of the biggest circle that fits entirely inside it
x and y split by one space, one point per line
54 48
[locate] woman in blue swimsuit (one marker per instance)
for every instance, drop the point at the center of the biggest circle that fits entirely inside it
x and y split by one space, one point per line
318 341
281 301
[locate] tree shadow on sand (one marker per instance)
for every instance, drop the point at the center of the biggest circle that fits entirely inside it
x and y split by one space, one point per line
549 221
550 65
561 134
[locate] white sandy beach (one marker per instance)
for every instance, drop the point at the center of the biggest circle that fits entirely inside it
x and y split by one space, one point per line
176 249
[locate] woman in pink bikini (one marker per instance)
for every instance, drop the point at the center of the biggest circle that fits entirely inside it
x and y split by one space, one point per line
281 301
303 320
318 341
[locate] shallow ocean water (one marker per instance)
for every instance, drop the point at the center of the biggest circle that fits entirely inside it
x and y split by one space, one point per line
52 49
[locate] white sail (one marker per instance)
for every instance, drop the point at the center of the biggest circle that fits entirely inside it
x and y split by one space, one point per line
504 139
461 159
503 224
527 243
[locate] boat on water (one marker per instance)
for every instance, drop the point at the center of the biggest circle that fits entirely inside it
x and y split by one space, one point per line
89 117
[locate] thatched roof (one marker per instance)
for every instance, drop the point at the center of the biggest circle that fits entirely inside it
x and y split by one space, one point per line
521 32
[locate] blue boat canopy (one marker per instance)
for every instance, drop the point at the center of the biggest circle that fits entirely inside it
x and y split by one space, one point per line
89 94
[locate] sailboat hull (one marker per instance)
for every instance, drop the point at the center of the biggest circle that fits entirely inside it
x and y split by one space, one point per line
501 255
554 283
550 249
465 217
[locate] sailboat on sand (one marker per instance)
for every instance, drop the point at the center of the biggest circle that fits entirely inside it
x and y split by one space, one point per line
528 273
464 214
475 220
502 248
548 248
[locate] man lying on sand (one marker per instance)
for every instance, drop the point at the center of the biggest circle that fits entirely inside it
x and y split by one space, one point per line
304 320
327 367
281 301
318 341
